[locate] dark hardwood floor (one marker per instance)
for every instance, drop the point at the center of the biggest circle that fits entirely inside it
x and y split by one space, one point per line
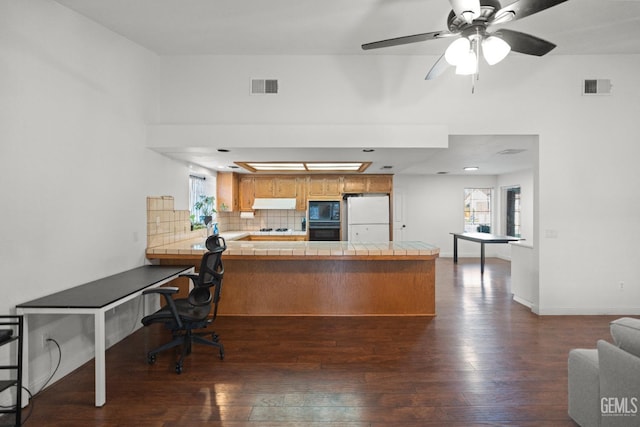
484 360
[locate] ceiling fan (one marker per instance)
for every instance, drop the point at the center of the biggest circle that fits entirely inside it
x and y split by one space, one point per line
469 21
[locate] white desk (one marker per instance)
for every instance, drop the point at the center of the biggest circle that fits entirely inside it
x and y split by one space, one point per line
96 298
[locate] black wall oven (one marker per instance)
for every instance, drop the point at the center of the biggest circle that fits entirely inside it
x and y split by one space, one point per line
324 220
327 231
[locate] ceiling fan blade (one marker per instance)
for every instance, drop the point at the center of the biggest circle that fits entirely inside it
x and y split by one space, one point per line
523 8
525 43
405 40
438 68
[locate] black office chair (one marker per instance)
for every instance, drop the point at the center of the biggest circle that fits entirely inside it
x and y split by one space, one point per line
184 315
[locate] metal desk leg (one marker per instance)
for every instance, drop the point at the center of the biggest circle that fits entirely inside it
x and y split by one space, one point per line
100 348
482 258
25 357
455 249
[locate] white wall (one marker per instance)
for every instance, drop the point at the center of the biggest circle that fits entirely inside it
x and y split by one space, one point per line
587 145
74 169
434 207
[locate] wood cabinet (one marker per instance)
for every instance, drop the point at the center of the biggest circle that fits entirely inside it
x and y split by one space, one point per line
238 191
354 184
263 186
286 187
227 194
323 187
379 183
279 187
367 184
247 193
301 194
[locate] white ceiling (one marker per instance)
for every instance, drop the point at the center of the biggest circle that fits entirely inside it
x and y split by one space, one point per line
328 27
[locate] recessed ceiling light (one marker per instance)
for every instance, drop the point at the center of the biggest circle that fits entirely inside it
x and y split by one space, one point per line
222 150
368 150
471 168
442 173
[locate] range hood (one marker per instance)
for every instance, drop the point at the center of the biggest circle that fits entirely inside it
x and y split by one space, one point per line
269 203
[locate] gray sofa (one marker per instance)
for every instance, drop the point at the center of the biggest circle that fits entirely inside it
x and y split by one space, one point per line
604 383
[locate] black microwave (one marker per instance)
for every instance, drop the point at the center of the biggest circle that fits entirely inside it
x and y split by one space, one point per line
324 210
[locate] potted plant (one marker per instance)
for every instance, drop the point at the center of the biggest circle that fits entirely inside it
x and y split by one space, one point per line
205 207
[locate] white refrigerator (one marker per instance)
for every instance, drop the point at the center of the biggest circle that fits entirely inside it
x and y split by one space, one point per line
368 219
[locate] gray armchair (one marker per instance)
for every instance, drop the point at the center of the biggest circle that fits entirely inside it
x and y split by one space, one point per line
604 383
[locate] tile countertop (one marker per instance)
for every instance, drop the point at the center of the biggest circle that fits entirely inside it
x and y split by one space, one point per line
297 248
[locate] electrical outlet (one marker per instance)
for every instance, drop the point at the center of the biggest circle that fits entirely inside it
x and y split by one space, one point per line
45 338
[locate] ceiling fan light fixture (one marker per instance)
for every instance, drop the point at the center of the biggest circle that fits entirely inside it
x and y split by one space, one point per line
494 49
457 51
466 9
469 65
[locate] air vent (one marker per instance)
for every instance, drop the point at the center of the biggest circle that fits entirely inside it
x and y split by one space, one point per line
264 86
597 87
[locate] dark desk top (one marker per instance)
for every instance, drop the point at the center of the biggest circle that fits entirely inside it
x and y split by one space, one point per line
102 292
486 237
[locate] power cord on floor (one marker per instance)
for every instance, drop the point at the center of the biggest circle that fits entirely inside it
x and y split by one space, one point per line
31 396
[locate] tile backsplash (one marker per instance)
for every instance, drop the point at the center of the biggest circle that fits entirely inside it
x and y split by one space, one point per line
275 218
166 225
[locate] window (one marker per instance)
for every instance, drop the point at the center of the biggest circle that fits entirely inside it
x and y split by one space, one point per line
196 189
477 210
513 212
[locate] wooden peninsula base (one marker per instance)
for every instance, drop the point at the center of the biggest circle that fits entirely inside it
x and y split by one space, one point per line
258 282
318 287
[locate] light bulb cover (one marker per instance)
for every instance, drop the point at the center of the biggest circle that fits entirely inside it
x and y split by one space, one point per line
494 49
469 65
457 51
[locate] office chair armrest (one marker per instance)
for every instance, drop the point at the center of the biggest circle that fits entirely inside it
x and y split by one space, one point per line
193 277
166 290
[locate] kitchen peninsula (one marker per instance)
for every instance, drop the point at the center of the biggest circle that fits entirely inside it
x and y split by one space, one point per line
302 278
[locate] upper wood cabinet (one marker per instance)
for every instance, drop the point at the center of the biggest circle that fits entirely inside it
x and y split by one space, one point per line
275 186
380 183
247 193
354 184
323 186
301 194
238 191
263 186
367 184
286 187
227 197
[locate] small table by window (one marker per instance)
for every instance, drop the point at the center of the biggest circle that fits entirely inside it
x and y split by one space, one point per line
482 238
